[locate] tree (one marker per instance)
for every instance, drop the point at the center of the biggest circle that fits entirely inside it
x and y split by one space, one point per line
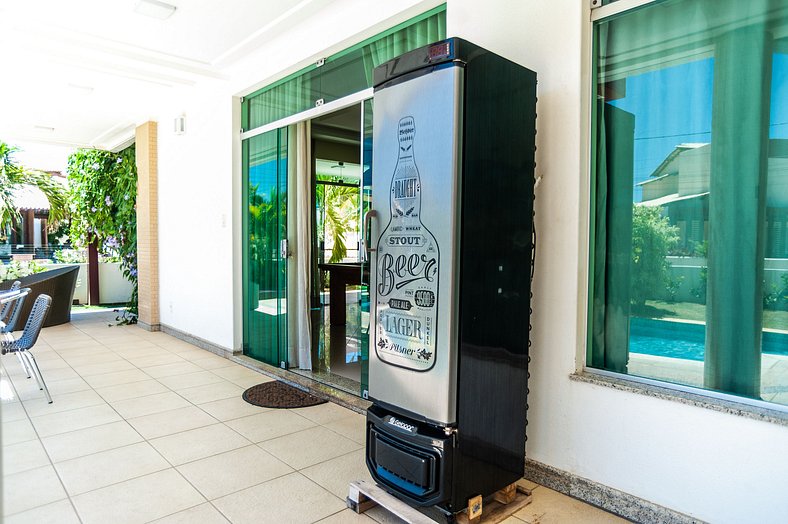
340 207
13 176
652 239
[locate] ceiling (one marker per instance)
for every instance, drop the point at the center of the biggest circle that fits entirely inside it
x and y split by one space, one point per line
86 72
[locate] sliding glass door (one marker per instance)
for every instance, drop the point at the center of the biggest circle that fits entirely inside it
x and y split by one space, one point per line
265 247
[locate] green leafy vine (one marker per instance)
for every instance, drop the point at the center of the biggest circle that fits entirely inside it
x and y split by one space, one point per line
102 195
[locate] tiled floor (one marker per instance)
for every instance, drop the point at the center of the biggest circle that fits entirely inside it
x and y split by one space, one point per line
145 427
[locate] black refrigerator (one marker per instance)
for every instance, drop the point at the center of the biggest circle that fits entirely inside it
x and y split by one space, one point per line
450 267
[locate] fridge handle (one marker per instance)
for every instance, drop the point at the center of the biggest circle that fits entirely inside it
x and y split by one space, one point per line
368 233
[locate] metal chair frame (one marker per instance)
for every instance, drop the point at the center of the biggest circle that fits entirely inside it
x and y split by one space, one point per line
13 300
22 345
5 310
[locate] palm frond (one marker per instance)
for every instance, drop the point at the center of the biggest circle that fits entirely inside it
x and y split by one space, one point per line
55 193
13 176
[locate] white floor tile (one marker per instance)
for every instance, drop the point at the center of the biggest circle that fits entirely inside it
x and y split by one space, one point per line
88 370
158 359
48 425
147 405
335 475
325 413
246 383
29 489
98 357
18 431
190 380
551 506
168 370
118 377
95 471
270 424
347 516
131 390
230 408
239 372
29 389
202 514
211 392
353 427
235 470
91 440
169 422
138 500
133 351
24 456
292 499
214 362
309 447
60 512
14 411
63 402
198 443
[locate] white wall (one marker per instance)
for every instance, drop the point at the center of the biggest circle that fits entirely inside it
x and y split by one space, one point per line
714 466
195 216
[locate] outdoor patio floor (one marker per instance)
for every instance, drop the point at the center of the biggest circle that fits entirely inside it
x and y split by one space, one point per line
145 427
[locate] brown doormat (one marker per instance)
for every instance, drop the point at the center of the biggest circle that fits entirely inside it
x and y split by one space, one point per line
277 394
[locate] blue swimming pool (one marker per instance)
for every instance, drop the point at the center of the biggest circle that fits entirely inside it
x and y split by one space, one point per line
664 347
667 338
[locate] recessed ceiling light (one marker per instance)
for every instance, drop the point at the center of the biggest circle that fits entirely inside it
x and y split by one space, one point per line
154 8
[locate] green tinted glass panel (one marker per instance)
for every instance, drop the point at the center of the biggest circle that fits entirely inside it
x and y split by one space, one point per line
342 74
264 228
293 96
365 202
689 228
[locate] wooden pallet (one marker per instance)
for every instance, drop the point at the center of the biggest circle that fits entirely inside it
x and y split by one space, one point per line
505 503
365 495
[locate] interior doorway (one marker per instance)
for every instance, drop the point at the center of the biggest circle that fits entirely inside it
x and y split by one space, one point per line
338 296
306 294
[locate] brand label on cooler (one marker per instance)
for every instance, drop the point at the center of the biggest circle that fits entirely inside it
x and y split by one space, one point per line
407 269
400 424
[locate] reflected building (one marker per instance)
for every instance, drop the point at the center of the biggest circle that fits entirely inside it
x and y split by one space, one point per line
680 185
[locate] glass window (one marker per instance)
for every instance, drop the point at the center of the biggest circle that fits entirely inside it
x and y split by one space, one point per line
689 247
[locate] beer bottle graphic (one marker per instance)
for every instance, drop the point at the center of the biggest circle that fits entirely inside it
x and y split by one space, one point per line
407 267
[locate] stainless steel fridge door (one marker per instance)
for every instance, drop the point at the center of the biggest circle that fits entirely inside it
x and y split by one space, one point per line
413 347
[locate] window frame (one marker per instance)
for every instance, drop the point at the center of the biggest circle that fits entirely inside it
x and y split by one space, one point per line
711 399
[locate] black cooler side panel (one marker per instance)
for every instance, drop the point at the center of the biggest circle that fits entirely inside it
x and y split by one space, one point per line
495 266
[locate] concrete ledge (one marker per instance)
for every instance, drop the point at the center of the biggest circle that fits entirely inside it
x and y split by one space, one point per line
197 341
623 504
684 396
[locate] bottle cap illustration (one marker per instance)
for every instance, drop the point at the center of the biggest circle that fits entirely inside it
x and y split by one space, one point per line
407 128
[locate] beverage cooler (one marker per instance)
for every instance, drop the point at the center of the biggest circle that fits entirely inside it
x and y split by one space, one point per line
450 256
